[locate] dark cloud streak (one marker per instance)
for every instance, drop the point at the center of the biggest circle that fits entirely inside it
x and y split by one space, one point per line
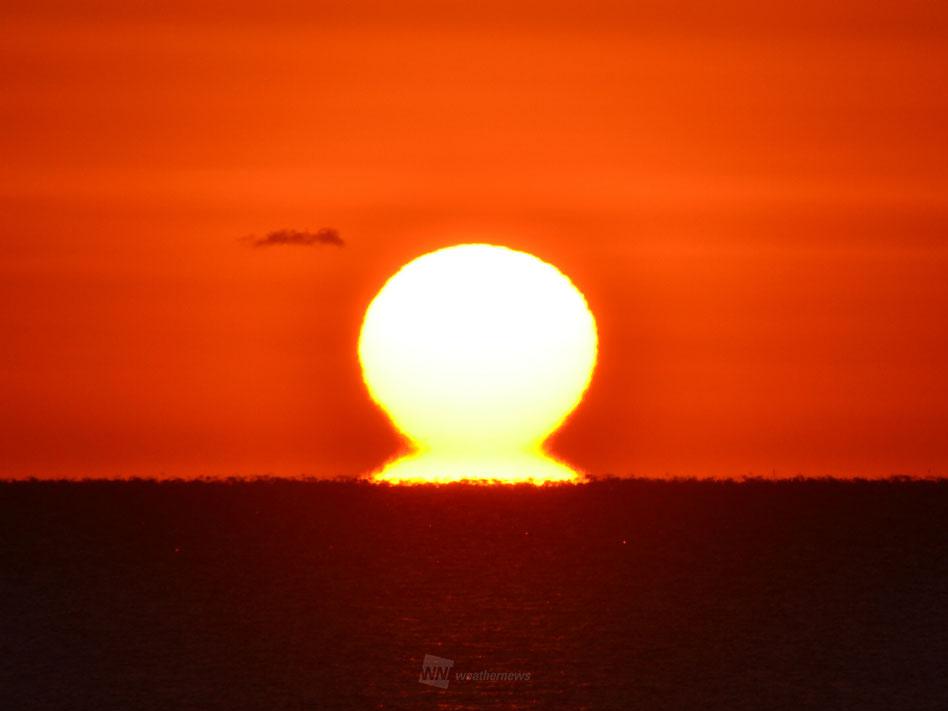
277 238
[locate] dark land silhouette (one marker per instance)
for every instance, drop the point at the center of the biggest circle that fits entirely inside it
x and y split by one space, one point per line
619 594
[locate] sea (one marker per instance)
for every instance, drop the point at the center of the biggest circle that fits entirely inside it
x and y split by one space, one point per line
279 594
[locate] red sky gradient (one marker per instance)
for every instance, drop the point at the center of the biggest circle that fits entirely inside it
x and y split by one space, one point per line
753 196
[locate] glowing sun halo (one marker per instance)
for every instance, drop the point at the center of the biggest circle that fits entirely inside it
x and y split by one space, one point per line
477 353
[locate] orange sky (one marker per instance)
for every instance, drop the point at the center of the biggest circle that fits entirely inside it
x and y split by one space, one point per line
754 199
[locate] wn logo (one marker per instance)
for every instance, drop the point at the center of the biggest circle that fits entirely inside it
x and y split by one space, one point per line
436 671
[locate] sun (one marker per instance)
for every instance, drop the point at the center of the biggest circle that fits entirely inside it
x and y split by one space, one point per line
478 353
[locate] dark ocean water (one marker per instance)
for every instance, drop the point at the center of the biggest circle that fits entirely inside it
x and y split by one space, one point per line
612 595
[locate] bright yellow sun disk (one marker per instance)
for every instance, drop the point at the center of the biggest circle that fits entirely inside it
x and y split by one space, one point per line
478 353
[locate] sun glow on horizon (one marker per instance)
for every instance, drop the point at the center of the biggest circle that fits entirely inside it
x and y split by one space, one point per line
478 353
